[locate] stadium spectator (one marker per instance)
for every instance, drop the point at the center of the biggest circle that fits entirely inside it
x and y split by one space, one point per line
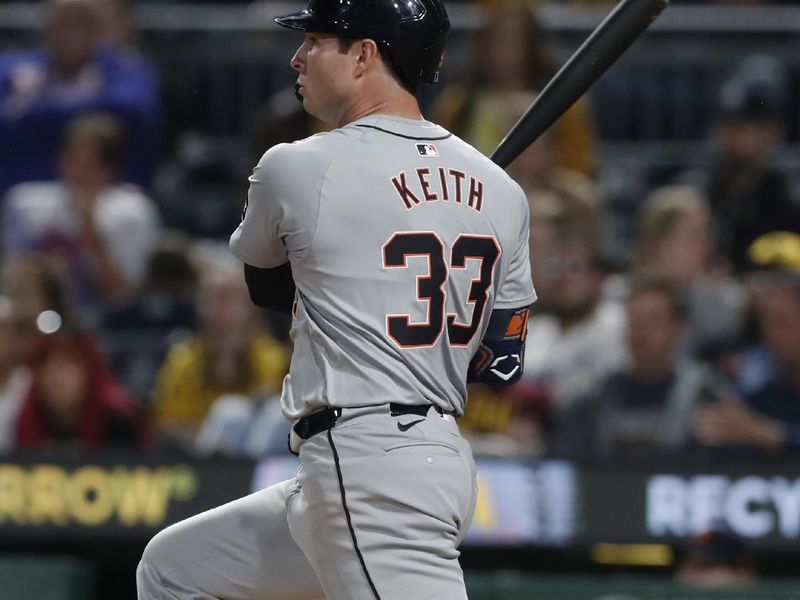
138 333
166 298
243 426
36 290
14 376
229 354
74 401
118 29
644 408
73 72
768 417
537 168
674 240
576 336
511 55
749 193
507 422
96 232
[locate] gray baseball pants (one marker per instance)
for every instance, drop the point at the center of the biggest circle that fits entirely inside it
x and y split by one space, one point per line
376 512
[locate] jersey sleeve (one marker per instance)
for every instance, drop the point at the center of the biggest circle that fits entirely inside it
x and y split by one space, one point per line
279 216
516 290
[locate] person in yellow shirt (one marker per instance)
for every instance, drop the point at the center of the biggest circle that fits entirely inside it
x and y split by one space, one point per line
512 57
230 354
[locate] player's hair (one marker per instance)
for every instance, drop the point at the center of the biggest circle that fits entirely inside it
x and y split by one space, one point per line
104 131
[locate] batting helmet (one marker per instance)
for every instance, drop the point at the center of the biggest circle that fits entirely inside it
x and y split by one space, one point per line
411 33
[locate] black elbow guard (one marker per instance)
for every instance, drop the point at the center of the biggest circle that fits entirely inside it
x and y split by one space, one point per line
271 288
499 359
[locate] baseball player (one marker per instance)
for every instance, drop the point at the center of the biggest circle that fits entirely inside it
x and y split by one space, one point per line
402 254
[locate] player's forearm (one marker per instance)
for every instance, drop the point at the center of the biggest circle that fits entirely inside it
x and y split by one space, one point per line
499 359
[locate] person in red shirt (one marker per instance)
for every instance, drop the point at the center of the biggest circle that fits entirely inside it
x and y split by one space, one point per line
75 401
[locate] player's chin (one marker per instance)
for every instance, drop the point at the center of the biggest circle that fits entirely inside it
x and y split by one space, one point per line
309 106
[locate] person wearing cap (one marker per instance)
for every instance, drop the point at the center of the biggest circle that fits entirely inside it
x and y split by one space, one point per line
769 416
749 193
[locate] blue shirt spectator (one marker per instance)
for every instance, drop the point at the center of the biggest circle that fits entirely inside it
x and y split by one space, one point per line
769 414
41 90
779 399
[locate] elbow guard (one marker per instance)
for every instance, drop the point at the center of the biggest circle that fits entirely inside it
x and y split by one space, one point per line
271 288
499 359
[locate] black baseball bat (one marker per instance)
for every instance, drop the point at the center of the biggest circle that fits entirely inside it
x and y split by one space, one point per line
604 46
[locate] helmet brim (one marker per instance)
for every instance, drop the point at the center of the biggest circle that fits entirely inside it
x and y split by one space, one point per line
299 21
307 21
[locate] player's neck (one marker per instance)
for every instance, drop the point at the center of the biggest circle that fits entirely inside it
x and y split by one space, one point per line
402 105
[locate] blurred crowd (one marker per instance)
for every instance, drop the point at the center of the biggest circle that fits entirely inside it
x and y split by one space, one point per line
124 325
688 342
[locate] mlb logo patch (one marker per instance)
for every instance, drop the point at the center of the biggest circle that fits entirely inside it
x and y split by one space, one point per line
427 150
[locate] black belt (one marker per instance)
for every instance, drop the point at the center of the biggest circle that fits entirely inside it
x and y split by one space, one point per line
325 419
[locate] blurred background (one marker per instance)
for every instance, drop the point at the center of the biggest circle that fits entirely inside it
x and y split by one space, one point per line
650 450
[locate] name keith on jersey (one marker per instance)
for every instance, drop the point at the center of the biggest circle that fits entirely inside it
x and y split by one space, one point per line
438 185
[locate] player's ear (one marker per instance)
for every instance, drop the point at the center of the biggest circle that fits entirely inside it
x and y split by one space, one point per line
368 54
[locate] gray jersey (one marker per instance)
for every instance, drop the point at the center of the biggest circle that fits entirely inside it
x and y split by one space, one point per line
402 239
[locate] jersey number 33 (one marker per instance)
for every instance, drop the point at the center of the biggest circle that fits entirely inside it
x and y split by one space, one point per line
430 288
